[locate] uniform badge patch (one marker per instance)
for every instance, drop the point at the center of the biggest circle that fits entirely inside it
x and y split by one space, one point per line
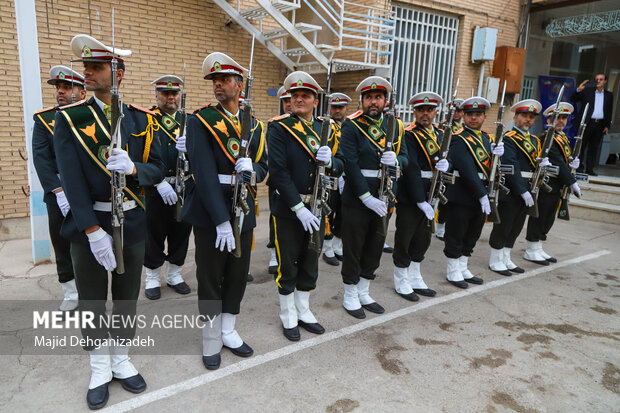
102 154
168 121
312 142
431 147
217 66
300 82
169 85
373 86
86 52
233 146
475 105
426 100
481 154
375 132
61 76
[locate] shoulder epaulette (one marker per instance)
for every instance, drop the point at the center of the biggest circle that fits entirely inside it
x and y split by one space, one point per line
199 109
510 133
355 115
411 126
79 103
286 115
155 110
150 112
45 110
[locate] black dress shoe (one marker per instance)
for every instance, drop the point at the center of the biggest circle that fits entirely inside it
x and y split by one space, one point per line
291 333
543 262
518 270
249 278
212 362
331 260
273 269
502 272
153 293
474 280
133 384
388 249
552 260
426 292
314 328
410 297
98 397
181 288
242 351
338 256
374 308
460 284
359 313
592 173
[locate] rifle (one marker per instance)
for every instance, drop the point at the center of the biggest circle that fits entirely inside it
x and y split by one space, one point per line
182 164
541 174
388 173
322 183
563 211
72 93
439 179
240 207
498 171
118 178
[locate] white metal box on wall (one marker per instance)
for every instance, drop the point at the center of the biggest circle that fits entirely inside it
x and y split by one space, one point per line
483 46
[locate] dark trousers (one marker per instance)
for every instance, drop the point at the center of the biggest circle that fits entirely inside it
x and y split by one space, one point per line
221 276
62 246
441 215
592 138
512 217
412 237
272 234
92 284
362 244
538 228
463 228
298 265
160 224
335 218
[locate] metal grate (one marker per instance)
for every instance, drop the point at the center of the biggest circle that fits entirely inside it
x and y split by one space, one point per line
422 55
527 89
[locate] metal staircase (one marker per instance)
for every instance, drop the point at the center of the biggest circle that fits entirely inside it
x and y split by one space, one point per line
306 34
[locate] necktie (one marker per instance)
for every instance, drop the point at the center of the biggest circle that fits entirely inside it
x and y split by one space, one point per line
108 113
528 139
235 120
431 132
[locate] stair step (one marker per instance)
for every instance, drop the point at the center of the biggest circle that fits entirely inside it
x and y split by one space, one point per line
594 211
298 51
600 193
605 180
279 32
257 13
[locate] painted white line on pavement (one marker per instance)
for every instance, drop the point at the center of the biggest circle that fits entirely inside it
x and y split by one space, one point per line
209 377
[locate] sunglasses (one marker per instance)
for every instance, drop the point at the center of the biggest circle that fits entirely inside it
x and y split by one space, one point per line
599 79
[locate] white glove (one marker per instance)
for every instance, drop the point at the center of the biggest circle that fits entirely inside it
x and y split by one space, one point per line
340 184
63 204
575 189
388 158
101 247
225 237
244 165
442 165
574 164
324 154
486 206
527 198
375 205
181 143
119 161
427 209
167 193
497 149
310 222
544 162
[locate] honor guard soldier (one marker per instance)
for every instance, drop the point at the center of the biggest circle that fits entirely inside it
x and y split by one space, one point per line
294 153
367 151
457 118
520 150
332 248
69 86
468 204
214 145
285 98
548 202
413 232
161 223
82 140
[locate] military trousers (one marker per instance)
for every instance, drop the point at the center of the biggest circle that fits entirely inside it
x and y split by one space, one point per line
463 228
161 226
298 265
92 283
362 244
61 245
272 235
512 217
538 228
221 276
335 218
412 237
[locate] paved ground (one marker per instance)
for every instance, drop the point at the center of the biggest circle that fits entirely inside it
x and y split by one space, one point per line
545 341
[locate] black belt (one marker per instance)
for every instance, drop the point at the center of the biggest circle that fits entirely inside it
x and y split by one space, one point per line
596 120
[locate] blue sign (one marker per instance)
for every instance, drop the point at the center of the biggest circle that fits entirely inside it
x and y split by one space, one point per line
549 87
